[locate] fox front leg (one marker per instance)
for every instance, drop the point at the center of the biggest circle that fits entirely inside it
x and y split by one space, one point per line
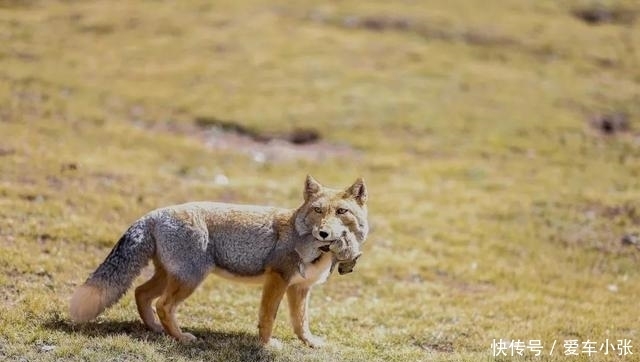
298 307
272 293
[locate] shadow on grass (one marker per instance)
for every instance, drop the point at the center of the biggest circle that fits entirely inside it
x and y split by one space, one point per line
211 345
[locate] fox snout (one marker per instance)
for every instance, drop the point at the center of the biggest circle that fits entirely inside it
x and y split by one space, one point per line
324 233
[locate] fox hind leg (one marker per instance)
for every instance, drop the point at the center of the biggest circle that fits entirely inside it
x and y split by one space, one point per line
146 293
174 293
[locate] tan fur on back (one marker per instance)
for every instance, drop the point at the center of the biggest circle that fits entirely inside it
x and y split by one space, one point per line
86 303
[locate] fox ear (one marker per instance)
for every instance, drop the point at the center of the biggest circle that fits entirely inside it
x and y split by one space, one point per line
358 191
311 187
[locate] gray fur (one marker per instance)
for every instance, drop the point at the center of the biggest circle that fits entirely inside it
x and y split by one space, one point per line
125 261
212 236
190 247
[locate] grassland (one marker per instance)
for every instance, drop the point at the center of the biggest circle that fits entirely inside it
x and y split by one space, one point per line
499 140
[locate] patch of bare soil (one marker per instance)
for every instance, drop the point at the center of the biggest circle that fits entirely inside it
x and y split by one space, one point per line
609 124
299 143
607 228
596 14
382 23
436 344
284 145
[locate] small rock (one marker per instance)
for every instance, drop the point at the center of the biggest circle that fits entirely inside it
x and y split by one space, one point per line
47 348
259 157
612 123
70 166
221 180
612 288
630 239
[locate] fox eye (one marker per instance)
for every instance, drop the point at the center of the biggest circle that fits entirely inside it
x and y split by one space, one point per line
317 209
341 211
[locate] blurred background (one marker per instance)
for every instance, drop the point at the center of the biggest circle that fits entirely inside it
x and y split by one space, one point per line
499 140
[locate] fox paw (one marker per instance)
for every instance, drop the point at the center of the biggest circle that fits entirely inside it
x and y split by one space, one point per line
273 343
313 341
187 338
156 327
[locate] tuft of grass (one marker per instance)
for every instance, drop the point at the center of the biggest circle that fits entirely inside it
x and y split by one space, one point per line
501 206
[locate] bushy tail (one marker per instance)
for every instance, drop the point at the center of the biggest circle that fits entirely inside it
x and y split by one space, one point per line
116 273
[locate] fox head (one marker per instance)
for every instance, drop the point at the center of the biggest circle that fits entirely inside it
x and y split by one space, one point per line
328 214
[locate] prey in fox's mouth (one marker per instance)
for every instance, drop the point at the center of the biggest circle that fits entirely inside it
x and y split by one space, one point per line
345 250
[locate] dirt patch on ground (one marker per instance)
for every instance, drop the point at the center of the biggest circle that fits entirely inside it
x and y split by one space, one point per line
607 228
598 13
610 123
263 145
438 346
381 23
625 211
287 145
298 136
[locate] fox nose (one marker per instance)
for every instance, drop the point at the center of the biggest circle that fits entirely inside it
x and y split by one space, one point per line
323 234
